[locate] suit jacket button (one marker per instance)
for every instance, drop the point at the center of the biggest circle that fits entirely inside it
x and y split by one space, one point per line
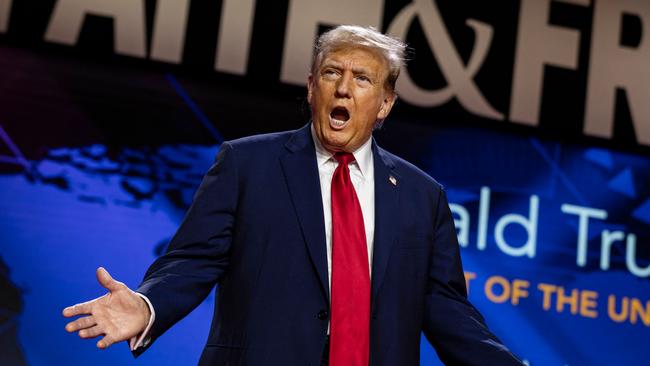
322 315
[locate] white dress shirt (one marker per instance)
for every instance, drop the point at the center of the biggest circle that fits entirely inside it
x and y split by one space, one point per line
362 174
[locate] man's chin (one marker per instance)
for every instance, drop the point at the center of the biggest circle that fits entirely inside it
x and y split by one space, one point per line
333 144
334 140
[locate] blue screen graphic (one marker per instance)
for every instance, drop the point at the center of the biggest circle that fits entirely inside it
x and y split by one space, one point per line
555 242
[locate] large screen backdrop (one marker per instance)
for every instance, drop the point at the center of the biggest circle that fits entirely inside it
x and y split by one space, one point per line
533 114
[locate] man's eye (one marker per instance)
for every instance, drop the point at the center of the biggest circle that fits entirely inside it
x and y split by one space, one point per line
363 78
329 73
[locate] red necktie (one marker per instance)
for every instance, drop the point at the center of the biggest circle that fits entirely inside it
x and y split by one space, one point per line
350 319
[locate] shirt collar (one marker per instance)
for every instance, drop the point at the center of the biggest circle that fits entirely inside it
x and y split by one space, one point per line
362 155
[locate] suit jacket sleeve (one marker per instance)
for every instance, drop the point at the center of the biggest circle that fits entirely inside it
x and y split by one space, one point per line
198 254
451 324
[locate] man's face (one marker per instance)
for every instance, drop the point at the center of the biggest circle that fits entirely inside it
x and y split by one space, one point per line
347 95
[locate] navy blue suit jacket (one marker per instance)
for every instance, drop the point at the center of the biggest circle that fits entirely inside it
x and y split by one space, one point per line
256 229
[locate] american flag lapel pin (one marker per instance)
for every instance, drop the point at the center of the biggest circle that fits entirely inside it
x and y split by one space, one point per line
392 180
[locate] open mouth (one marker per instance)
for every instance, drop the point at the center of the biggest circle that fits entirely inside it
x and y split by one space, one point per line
339 116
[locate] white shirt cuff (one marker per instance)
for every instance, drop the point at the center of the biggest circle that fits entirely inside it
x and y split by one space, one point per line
144 338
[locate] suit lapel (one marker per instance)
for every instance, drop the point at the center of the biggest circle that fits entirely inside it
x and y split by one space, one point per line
387 185
301 174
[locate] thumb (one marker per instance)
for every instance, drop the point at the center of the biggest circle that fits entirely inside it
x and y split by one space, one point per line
106 280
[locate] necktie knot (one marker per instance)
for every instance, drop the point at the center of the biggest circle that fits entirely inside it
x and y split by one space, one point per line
344 158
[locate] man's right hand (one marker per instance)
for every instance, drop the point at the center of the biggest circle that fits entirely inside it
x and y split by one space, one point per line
119 315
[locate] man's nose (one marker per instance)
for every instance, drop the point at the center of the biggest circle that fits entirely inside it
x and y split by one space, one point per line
343 87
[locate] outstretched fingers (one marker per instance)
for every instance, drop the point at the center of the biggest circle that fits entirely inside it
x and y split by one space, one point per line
78 309
105 342
91 332
81 323
117 315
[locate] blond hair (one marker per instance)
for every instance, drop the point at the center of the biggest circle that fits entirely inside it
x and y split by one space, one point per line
352 36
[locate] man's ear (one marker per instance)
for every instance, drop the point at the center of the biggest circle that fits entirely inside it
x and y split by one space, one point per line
386 105
310 87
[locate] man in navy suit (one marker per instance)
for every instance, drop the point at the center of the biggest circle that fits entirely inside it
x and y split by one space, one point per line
261 227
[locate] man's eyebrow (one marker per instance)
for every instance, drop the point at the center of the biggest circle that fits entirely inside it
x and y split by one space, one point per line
361 70
339 65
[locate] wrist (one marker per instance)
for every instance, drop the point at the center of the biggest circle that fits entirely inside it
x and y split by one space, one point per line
145 313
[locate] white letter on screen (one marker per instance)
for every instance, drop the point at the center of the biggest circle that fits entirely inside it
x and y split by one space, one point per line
539 44
5 12
168 40
528 223
462 223
583 227
608 238
615 66
302 29
128 23
631 261
483 218
235 31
